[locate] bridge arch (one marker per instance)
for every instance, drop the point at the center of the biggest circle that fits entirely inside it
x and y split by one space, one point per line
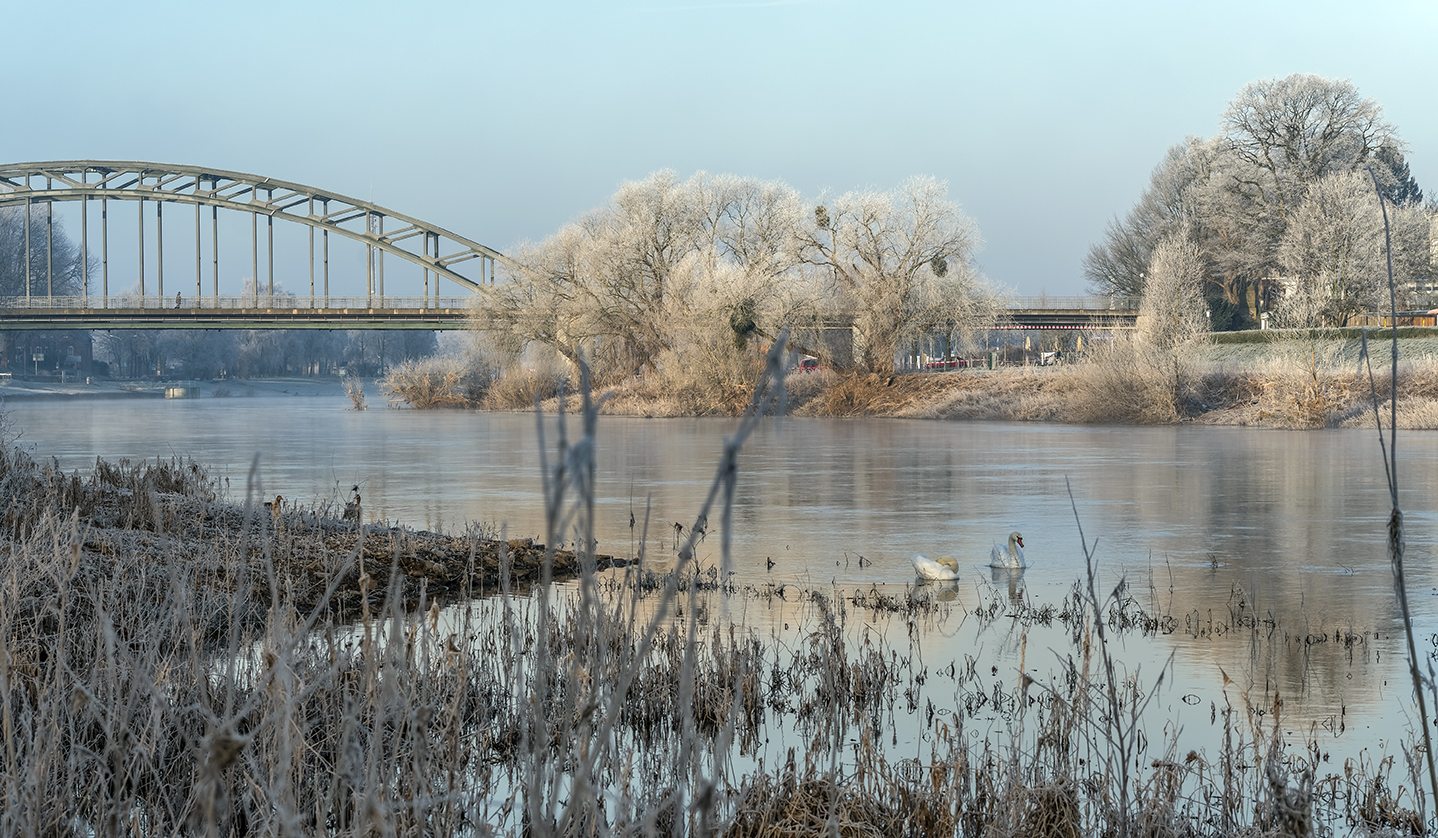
433 248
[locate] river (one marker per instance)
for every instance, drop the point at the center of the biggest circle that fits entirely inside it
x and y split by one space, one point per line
1285 526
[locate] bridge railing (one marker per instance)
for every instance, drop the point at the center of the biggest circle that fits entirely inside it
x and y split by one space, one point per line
1085 303
284 302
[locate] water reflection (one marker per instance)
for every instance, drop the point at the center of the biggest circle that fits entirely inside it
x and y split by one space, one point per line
1010 579
934 591
1261 547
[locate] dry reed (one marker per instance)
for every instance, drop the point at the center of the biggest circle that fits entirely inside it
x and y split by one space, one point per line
155 689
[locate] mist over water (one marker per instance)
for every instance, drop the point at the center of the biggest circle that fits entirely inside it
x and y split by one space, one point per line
1282 528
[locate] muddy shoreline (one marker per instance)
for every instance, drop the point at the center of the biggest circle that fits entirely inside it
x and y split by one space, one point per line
127 520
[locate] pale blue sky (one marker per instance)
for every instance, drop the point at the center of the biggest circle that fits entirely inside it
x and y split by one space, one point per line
503 121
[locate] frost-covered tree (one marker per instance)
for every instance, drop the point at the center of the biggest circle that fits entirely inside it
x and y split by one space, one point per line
1413 229
1332 253
1291 132
1119 264
672 273
1286 135
606 285
901 262
1239 192
620 284
1173 311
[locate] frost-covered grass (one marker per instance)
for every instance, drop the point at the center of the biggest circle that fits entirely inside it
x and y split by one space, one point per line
140 698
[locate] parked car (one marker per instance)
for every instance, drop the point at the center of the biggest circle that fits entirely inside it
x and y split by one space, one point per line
808 365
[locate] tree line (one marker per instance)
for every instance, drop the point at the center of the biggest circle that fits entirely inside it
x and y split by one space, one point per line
691 277
1277 215
258 353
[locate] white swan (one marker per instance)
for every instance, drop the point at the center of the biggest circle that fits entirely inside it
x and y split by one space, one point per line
1012 557
944 567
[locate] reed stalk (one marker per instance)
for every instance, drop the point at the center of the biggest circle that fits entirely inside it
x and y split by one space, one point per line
1395 518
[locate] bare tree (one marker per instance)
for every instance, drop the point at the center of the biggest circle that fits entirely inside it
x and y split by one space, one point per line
900 262
1119 264
55 261
1295 130
1285 135
670 272
607 285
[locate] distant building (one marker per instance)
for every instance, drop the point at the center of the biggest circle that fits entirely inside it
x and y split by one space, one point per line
67 352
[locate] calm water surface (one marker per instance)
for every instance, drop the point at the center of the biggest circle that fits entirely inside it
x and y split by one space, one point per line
1196 519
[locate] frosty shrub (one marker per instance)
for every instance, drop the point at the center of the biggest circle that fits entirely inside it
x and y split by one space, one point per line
1130 381
1172 312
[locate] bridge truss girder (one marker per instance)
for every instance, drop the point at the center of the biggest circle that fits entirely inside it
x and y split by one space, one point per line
432 248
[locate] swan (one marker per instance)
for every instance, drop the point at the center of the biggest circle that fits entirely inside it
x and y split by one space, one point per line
944 567
1012 557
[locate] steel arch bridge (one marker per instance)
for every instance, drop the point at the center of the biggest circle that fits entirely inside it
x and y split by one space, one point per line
37 186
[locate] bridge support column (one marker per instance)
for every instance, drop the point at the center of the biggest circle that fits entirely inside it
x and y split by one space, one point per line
85 248
255 254
312 255
160 251
49 250
142 252
104 252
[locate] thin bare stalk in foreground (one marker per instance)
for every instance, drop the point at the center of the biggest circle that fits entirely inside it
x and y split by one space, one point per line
1395 519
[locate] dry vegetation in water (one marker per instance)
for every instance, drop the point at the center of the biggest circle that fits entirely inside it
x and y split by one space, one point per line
146 697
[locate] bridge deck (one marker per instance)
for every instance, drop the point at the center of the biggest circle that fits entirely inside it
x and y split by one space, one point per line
235 312
426 319
419 313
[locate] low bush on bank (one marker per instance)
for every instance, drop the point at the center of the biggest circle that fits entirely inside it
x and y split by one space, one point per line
521 388
1132 383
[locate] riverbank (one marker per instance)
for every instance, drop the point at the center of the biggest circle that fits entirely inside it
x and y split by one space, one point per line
95 387
1255 379
125 519
1282 382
